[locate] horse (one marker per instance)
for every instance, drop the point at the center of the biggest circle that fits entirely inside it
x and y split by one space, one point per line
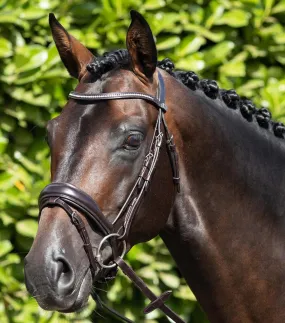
218 204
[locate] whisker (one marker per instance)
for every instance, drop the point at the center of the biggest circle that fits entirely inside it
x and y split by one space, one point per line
98 314
38 297
103 290
33 128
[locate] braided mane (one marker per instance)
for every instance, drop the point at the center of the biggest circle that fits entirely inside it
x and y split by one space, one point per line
120 58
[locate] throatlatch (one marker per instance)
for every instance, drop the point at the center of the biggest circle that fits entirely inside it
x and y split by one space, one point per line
73 200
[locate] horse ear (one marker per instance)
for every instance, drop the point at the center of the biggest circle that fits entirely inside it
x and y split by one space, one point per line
141 47
73 54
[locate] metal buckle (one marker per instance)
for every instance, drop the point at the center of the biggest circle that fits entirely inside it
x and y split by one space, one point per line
74 218
158 139
98 257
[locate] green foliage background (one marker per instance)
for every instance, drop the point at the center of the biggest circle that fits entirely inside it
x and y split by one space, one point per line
239 43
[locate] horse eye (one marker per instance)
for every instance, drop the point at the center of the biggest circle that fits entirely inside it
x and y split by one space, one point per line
133 141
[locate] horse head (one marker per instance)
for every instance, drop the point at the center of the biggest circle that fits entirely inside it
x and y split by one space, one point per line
103 155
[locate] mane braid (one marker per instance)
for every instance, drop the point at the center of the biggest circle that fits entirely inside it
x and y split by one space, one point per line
120 58
108 62
229 97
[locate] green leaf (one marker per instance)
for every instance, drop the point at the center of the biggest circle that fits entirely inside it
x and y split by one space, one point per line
190 44
194 62
7 279
250 87
7 123
10 259
233 69
216 12
268 6
21 94
5 247
3 143
11 17
279 8
83 10
27 228
144 257
5 48
218 53
184 292
154 4
234 18
164 21
202 31
6 180
161 266
255 51
169 280
30 57
168 42
147 272
30 166
32 14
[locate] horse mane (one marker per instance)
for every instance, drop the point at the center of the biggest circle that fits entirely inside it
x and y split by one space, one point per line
120 58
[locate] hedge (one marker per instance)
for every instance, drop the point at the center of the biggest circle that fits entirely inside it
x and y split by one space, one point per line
241 44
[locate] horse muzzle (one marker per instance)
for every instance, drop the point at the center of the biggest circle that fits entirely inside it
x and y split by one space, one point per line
57 270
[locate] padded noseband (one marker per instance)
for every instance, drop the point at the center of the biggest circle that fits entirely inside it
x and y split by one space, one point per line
79 200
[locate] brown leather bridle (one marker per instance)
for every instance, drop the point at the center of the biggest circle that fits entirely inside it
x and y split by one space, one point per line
72 199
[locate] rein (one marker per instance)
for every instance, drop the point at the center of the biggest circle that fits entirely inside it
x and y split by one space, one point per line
72 199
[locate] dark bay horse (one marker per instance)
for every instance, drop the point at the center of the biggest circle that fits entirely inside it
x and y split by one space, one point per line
225 228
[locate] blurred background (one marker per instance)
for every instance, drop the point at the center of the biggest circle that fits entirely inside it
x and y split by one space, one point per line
241 44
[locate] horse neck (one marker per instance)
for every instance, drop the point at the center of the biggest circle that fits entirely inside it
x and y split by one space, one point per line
225 230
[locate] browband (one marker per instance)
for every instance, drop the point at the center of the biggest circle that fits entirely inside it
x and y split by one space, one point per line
158 102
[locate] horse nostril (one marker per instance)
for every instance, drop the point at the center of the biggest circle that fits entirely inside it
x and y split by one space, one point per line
65 268
63 276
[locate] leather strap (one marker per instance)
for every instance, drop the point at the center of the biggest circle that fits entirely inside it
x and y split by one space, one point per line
173 156
161 92
141 186
156 302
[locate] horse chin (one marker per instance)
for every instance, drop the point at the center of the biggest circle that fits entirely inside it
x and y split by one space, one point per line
67 304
